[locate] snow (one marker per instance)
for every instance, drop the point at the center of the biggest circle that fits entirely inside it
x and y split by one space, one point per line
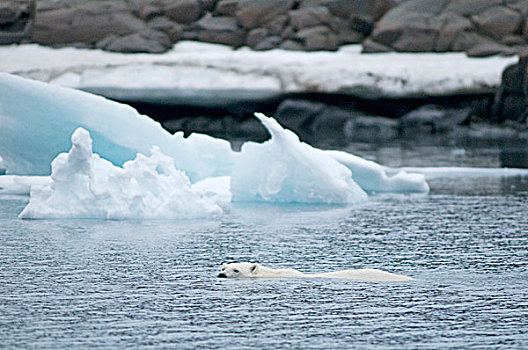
87 186
206 73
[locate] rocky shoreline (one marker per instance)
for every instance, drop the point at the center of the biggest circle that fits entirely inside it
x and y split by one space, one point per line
477 27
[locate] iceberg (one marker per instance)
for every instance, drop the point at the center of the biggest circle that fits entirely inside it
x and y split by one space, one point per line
37 120
83 185
283 169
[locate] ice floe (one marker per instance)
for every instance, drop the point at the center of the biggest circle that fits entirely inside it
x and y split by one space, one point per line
83 185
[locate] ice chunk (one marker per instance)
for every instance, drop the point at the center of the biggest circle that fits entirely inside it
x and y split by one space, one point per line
37 119
284 169
87 186
375 178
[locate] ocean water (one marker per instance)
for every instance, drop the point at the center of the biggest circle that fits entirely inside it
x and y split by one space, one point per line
153 284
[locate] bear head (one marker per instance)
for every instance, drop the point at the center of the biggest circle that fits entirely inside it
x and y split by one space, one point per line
239 269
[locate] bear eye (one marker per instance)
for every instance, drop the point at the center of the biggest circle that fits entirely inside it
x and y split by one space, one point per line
235 271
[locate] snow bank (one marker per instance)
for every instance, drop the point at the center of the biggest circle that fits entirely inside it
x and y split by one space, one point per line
87 186
37 120
201 73
284 169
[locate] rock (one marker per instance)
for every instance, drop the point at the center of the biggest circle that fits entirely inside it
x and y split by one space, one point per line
149 41
498 21
310 17
470 7
183 11
269 43
86 23
147 12
450 25
220 30
318 38
9 13
432 119
277 25
374 9
291 45
513 40
165 25
313 120
16 21
490 49
369 129
253 13
370 46
361 24
255 36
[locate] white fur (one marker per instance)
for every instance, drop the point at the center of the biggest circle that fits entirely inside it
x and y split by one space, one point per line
254 270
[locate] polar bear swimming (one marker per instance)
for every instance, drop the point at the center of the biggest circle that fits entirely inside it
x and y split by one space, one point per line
255 270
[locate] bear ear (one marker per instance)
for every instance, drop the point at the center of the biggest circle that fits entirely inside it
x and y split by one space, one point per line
253 268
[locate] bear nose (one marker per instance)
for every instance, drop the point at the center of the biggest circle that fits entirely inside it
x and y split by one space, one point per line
222 275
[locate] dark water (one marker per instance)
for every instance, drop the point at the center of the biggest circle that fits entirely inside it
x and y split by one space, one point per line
152 284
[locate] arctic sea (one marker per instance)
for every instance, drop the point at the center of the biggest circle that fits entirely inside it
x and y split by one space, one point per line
152 284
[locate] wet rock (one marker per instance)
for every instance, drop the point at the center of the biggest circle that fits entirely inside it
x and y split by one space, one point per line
313 119
9 13
16 21
432 119
511 99
370 129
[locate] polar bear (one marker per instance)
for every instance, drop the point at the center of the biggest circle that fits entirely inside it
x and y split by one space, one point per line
254 270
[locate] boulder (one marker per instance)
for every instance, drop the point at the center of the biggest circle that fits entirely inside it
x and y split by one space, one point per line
370 128
310 17
165 25
450 25
16 21
498 21
511 99
220 30
9 13
373 9
491 49
318 38
149 41
85 23
183 11
253 13
432 119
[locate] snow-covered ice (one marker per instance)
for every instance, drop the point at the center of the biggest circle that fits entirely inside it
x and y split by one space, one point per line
202 73
83 185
